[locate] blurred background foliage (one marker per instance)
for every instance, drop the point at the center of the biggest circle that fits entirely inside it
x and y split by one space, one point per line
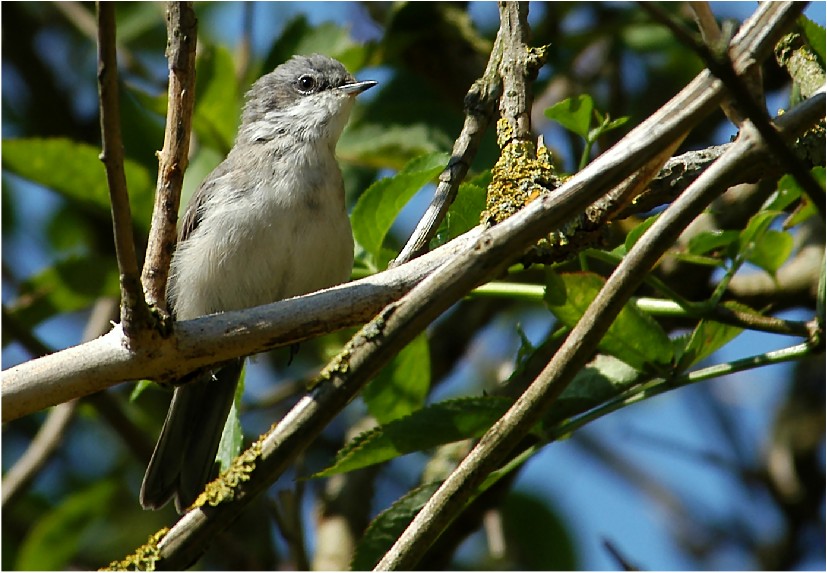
682 482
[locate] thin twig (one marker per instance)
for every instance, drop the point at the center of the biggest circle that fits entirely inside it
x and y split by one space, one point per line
134 312
501 439
515 101
182 29
712 37
497 247
479 108
40 450
719 62
50 435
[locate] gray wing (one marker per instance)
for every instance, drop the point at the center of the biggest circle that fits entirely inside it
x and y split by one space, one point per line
195 208
184 457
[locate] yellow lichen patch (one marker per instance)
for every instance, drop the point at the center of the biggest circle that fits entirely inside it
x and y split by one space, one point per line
144 557
224 487
339 365
521 174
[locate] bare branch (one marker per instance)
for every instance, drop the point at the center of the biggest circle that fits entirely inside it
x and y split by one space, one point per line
479 107
712 37
40 450
106 361
182 29
500 440
721 63
134 311
377 342
515 101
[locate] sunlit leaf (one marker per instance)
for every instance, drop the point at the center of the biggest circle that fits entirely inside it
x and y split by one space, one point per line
384 530
402 385
232 436
637 232
432 426
634 337
464 213
771 250
75 171
707 241
815 37
709 336
575 114
379 205
600 380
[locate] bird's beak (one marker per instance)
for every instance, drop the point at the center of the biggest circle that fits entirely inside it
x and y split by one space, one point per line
357 87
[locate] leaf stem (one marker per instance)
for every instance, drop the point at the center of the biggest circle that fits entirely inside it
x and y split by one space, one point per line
659 386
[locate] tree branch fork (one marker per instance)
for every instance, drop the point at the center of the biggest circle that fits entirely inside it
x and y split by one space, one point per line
446 274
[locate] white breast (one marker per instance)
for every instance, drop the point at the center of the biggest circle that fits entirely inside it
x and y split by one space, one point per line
288 236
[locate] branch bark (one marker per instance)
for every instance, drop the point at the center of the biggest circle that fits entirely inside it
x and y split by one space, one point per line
494 250
579 346
496 444
479 107
107 361
182 30
134 312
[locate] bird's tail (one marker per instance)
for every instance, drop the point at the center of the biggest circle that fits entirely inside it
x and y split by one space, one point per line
184 456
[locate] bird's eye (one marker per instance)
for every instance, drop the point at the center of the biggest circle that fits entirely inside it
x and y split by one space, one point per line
306 83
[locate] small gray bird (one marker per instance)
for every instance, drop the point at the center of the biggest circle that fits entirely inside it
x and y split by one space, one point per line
267 224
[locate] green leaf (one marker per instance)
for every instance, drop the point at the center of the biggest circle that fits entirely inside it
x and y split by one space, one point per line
379 205
232 436
787 192
634 337
74 170
771 250
575 114
379 146
69 285
139 388
815 37
699 260
464 213
756 227
58 535
302 38
615 123
536 535
432 426
637 232
709 336
601 380
401 387
707 241
217 101
384 530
